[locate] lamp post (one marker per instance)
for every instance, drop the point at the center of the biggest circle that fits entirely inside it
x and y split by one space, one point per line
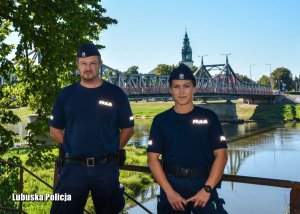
279 85
250 70
227 54
270 66
202 58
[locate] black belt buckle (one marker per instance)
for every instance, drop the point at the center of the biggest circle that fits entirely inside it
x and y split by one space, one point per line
90 162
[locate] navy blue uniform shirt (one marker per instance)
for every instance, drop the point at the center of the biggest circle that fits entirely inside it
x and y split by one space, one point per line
187 139
91 118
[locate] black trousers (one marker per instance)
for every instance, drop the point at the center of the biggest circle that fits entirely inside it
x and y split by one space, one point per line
188 187
78 180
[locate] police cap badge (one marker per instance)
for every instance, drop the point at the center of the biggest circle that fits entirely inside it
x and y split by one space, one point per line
182 72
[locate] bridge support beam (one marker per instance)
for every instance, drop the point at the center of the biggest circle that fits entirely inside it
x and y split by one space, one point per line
257 101
226 111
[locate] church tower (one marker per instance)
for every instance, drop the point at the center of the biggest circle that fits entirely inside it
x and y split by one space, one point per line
186 52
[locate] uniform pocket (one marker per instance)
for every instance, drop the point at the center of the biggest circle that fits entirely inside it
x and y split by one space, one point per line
218 206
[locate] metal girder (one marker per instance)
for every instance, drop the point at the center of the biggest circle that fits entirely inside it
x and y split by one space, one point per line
202 72
226 82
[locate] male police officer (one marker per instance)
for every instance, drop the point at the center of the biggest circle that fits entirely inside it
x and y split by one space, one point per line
193 148
92 119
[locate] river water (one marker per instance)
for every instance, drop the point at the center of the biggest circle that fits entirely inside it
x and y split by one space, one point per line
274 153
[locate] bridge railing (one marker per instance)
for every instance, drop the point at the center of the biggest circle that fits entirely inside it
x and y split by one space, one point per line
21 187
207 88
294 186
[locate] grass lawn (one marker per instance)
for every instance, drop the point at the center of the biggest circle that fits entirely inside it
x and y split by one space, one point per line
244 111
24 111
134 182
149 109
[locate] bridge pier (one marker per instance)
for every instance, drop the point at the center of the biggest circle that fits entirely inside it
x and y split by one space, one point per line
226 111
258 101
288 98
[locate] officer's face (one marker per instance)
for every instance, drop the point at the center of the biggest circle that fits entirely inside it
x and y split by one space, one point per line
89 68
182 91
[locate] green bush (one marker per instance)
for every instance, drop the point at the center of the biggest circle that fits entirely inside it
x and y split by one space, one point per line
289 112
9 183
297 116
134 182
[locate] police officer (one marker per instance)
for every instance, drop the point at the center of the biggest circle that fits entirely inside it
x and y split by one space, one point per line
92 119
193 148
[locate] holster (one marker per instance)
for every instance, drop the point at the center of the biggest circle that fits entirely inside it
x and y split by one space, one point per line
122 157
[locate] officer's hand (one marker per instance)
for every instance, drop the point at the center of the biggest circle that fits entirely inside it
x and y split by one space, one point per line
176 201
200 199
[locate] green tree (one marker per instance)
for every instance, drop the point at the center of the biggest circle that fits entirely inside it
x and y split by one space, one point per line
9 182
297 83
245 79
163 69
53 30
282 78
133 69
264 80
194 68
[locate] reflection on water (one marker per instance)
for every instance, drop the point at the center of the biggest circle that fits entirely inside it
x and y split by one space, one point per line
240 150
141 132
231 131
145 196
142 128
270 154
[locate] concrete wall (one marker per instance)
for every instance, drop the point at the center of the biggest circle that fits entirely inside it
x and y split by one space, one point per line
280 98
256 101
288 98
225 111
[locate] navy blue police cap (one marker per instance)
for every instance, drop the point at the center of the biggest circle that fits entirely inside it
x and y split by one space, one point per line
87 50
182 72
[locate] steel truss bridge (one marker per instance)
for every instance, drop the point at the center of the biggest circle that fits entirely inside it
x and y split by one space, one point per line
225 84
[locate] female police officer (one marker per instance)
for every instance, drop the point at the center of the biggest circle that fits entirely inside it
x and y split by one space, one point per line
92 119
193 148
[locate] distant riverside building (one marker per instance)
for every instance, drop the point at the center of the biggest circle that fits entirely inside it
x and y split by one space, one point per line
186 52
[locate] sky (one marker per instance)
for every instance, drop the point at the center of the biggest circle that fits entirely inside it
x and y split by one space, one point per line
151 32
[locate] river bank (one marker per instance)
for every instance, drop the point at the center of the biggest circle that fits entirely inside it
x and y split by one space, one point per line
257 150
254 136
244 112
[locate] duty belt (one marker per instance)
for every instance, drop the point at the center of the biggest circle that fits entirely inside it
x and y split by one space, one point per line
186 172
92 161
